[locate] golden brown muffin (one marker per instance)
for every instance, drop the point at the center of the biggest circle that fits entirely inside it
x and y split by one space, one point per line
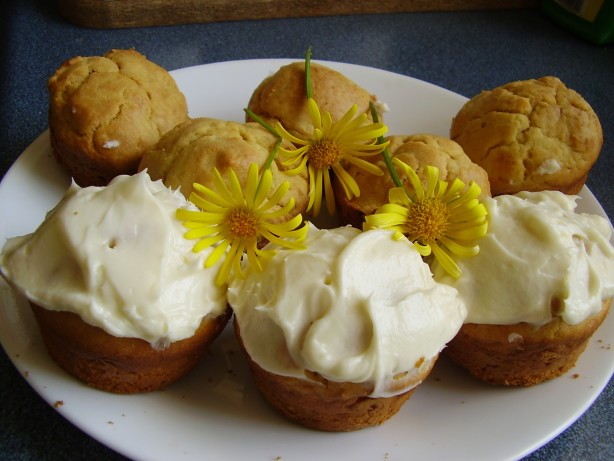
104 111
418 151
521 354
121 365
189 152
318 403
530 135
282 96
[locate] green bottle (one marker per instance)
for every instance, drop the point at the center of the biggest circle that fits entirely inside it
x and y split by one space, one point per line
592 20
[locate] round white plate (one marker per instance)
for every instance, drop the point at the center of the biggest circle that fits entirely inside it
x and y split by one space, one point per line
215 413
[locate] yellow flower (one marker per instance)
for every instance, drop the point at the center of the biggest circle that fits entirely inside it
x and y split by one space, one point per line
236 220
330 145
446 220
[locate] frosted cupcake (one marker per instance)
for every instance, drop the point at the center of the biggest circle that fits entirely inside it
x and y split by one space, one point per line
122 302
540 286
339 335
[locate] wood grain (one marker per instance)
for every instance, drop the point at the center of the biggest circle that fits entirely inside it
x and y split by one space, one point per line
112 14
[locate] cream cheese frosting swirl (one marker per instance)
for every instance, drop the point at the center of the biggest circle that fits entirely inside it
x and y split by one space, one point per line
354 306
539 259
116 256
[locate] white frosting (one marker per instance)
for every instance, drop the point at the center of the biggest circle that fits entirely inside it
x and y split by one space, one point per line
116 256
538 252
354 307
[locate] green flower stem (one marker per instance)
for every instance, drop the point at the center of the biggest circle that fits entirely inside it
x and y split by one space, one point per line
308 72
271 157
385 153
268 162
273 153
256 118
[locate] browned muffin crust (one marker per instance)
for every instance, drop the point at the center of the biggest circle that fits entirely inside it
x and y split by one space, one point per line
418 151
190 151
121 365
282 96
520 354
530 135
104 111
321 404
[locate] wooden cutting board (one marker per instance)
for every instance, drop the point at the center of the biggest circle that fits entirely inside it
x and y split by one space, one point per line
112 14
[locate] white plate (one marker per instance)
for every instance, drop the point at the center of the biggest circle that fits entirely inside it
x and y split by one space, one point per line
216 413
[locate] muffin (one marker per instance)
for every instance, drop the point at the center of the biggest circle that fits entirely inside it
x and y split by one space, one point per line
536 292
104 111
521 354
282 97
122 302
190 151
339 335
530 135
417 151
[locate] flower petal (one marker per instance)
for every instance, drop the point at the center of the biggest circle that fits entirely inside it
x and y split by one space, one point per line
447 263
253 184
399 196
415 182
350 185
366 166
314 113
217 253
263 188
458 249
424 250
204 242
281 131
471 233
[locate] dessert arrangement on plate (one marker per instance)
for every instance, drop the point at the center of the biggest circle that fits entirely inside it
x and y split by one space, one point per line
175 228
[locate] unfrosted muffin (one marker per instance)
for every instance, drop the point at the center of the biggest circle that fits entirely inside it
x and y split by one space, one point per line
340 334
282 96
530 135
122 302
418 151
104 111
190 151
536 292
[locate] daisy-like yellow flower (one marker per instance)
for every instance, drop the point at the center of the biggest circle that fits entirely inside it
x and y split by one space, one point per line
442 219
330 145
236 220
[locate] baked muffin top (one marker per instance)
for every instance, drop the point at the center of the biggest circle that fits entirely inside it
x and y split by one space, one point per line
418 151
104 111
282 96
190 151
530 135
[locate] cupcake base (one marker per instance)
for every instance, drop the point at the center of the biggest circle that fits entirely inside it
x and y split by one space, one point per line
324 405
520 354
121 365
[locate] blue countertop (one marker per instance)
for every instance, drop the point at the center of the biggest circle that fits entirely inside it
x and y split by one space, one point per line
464 52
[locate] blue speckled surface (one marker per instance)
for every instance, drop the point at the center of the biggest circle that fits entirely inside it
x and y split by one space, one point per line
464 52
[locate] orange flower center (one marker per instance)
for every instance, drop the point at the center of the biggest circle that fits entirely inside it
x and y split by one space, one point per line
243 223
428 220
324 153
